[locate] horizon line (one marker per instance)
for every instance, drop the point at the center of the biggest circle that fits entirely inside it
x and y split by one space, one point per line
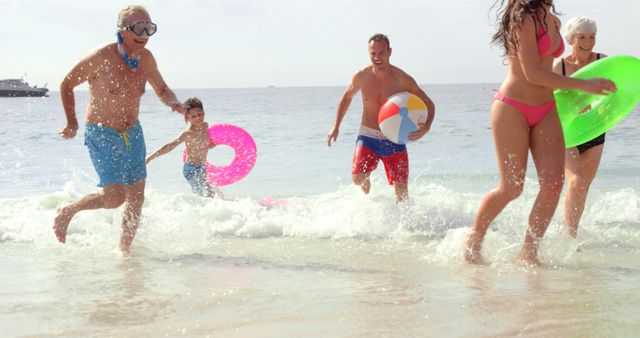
84 89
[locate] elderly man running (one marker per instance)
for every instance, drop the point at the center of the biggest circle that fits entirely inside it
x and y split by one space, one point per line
117 74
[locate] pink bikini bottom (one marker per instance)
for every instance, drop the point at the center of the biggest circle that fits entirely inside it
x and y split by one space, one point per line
533 114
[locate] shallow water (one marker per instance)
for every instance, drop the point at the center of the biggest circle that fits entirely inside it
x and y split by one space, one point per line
330 261
282 287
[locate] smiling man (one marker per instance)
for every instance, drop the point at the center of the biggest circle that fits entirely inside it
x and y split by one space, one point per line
117 75
377 82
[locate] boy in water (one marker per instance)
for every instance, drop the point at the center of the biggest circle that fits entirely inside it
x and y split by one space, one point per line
196 138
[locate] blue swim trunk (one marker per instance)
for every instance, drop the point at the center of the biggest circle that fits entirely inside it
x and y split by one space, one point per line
369 150
196 175
117 156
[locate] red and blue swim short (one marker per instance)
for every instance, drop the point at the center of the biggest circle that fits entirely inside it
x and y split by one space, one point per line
370 150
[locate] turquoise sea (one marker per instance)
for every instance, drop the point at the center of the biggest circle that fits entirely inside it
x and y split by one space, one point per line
329 262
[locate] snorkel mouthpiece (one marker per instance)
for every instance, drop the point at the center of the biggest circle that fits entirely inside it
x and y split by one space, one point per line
131 62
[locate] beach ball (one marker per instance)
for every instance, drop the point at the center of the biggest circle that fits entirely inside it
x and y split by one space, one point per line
400 116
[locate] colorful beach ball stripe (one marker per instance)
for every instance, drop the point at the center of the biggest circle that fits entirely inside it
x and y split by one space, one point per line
400 116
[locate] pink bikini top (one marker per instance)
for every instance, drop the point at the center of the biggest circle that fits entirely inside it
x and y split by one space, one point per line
544 45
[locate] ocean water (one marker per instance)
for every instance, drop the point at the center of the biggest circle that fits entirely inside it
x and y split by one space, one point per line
328 262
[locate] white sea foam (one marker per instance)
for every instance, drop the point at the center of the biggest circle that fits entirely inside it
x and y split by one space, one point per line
184 222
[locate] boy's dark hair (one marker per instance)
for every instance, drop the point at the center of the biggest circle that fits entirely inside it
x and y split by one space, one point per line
192 103
380 37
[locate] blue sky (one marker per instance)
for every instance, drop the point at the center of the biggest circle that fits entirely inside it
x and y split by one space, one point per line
256 43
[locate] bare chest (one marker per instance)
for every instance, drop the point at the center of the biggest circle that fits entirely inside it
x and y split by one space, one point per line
376 93
572 67
114 78
198 139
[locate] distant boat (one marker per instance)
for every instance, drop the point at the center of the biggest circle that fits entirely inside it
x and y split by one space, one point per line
20 88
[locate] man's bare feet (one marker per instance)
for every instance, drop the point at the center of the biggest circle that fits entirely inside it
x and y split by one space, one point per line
61 223
122 250
126 239
366 185
124 246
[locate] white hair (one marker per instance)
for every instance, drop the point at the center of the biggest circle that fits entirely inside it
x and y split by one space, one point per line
127 12
579 24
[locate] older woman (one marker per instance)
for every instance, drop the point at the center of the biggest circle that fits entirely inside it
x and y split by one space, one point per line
581 162
524 118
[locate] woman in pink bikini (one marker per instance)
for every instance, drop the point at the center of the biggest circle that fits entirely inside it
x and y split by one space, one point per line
523 118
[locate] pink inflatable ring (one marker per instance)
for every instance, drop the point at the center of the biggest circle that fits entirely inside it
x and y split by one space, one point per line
245 154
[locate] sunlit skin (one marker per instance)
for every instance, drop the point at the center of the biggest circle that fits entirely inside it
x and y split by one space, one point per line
196 138
580 168
376 83
115 89
114 101
582 54
530 80
197 141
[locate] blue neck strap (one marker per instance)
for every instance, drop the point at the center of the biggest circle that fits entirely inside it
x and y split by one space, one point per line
132 62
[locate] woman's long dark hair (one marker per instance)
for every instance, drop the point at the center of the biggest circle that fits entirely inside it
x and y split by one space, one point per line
511 17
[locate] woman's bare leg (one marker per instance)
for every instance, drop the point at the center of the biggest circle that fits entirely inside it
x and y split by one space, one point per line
547 150
580 170
511 139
